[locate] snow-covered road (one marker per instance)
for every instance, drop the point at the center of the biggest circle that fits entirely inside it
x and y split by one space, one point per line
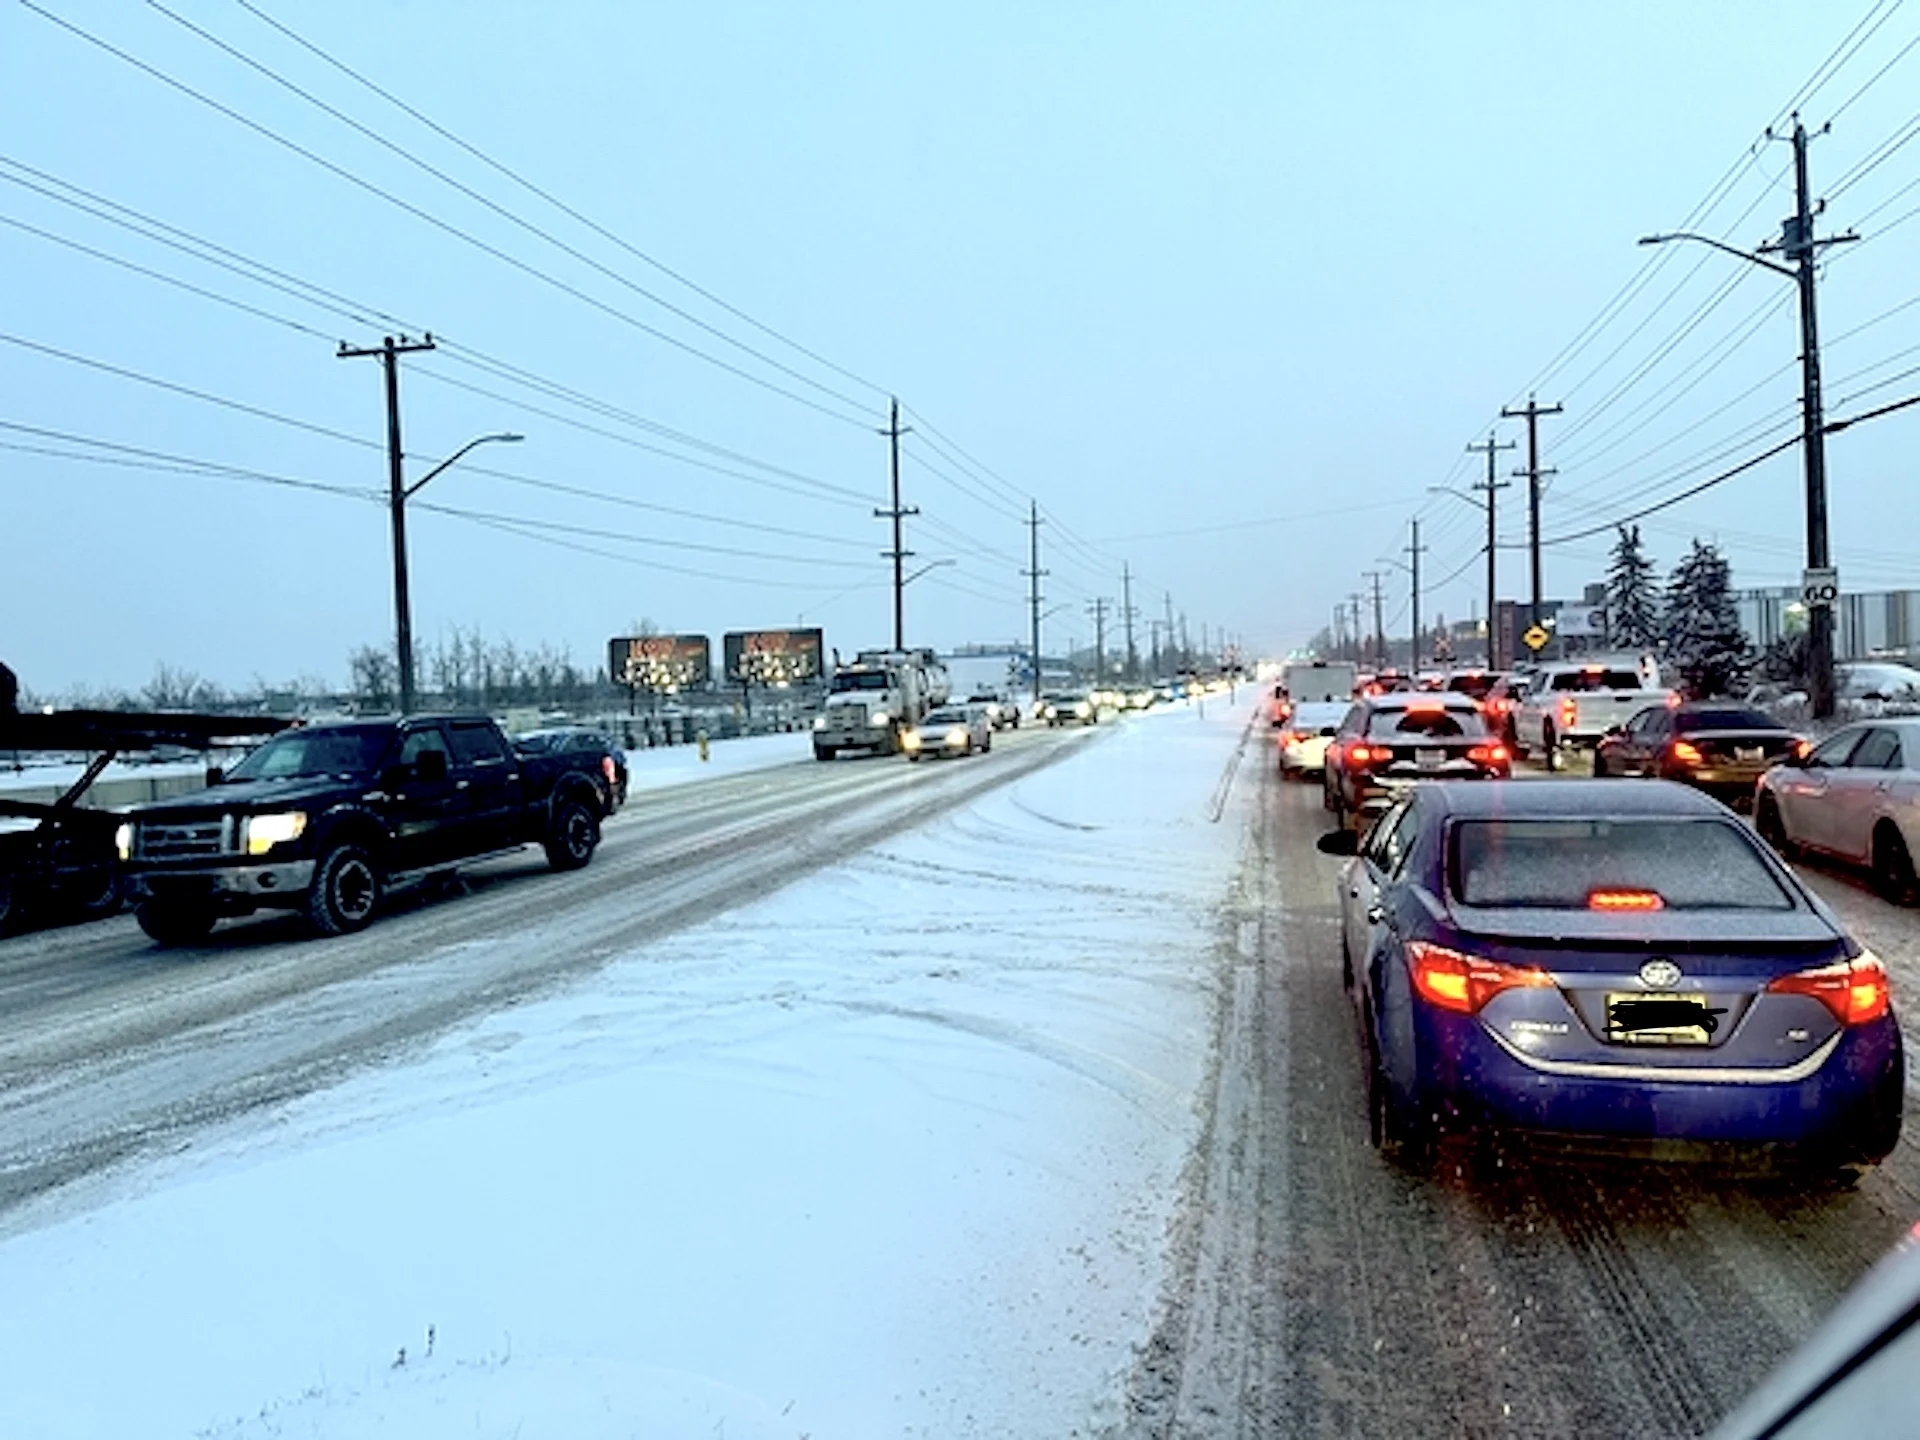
894 1150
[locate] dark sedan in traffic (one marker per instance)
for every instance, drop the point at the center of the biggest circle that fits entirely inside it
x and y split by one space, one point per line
1389 741
1712 745
1623 967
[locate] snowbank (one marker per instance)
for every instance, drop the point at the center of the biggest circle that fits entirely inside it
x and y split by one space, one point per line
666 765
891 1152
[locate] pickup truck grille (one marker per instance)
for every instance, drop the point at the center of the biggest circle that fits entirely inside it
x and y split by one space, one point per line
186 840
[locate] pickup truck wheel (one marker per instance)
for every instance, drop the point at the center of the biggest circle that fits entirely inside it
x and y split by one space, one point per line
823 752
571 836
176 922
345 891
1550 749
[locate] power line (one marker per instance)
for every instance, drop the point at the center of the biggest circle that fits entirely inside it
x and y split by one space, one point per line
447 227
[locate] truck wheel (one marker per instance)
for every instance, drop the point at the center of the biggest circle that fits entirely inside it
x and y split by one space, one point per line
176 922
9 904
1550 749
571 836
103 900
345 891
823 752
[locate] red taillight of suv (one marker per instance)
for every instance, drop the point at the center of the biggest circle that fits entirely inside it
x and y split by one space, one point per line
1464 983
1569 712
1854 990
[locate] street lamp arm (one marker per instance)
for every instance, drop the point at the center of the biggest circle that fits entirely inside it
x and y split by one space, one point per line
504 437
932 565
1746 255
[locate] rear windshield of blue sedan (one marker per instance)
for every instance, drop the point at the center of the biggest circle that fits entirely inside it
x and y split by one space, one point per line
1562 864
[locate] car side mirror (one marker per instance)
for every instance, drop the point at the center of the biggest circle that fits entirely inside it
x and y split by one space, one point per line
1338 842
1614 732
430 765
216 775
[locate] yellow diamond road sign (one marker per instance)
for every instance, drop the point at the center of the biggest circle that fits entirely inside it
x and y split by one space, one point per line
1535 637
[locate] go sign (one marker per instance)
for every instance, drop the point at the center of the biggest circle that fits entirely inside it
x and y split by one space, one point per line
1820 588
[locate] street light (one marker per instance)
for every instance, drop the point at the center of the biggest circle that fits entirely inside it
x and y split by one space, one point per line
402 605
930 565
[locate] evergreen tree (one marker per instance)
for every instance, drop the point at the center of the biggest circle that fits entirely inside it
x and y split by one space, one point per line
1632 594
1701 627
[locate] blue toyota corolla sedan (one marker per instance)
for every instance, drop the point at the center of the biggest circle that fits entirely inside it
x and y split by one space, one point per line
1609 966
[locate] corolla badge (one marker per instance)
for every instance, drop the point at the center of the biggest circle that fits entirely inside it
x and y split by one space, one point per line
1661 974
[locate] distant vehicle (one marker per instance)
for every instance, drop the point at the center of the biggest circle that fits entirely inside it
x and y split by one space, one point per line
1142 697
951 730
1387 742
1503 697
1855 796
1609 967
1069 707
1475 683
1712 745
1301 745
1870 687
1002 713
1572 706
327 819
562 739
870 702
1319 680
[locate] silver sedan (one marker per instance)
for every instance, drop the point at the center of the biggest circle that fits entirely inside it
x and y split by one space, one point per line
950 730
1855 797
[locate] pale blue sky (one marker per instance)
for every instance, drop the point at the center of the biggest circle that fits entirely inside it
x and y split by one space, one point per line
1162 268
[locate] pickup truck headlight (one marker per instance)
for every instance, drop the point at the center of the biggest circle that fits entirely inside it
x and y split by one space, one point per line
263 832
880 717
819 722
123 840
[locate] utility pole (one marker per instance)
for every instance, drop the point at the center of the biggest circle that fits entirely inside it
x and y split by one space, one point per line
1355 630
1532 411
1488 487
1797 243
1186 643
899 553
1167 596
1413 551
1374 578
1153 641
1127 616
1098 609
389 352
1033 572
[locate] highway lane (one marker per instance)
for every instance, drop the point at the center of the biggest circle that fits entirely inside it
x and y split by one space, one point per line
112 1046
1321 1292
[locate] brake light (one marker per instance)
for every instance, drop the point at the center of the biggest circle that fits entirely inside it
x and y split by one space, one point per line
1854 990
606 767
1358 754
1686 752
1464 983
1618 901
1569 712
1488 755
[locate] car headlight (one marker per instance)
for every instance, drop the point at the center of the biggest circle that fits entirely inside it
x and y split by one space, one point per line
880 717
956 737
819 722
123 840
911 740
1083 708
263 832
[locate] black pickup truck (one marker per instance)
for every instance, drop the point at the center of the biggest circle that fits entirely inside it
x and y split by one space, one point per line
327 818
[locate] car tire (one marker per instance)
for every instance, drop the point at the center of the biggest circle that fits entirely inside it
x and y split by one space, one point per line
573 833
824 752
10 907
988 747
1892 866
1600 766
1550 750
346 890
176 922
1400 1136
1772 829
1877 1129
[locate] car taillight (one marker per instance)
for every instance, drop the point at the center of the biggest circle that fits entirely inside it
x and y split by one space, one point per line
1569 712
1802 749
1854 990
1464 983
606 767
1358 754
1686 752
1488 755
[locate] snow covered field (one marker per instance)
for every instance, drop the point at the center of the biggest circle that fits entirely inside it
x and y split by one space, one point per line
892 1151
666 765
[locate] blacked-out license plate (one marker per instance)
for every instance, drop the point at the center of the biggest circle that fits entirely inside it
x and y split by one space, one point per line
1651 1018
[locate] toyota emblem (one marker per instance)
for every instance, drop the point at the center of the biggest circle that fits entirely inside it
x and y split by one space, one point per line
1661 974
